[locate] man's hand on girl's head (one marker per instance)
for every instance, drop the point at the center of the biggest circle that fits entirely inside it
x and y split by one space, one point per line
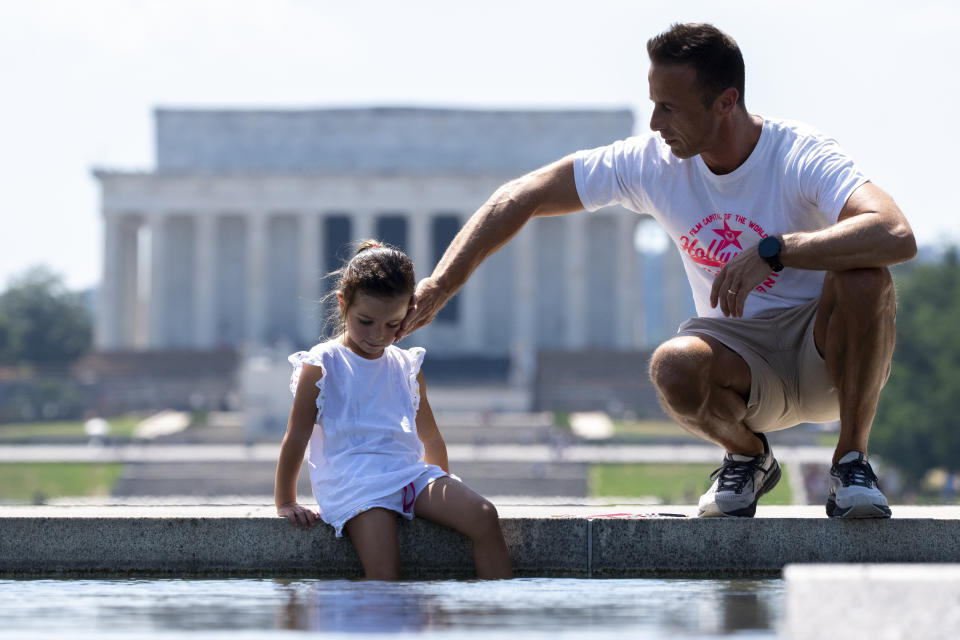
426 301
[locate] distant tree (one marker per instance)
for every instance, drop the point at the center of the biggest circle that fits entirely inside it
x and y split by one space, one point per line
916 428
41 321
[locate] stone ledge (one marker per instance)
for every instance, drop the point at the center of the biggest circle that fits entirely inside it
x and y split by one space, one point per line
543 540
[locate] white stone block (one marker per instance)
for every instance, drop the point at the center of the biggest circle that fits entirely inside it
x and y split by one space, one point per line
876 601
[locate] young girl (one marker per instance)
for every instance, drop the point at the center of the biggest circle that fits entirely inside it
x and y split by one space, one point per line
375 450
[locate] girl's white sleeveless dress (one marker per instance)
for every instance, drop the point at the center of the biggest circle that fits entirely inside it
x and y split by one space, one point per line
364 448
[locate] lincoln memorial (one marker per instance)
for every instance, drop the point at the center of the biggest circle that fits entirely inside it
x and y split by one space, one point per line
227 240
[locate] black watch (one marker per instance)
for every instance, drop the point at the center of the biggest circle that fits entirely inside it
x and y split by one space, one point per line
769 250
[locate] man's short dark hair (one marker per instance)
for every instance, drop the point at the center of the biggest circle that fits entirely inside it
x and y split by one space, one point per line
713 54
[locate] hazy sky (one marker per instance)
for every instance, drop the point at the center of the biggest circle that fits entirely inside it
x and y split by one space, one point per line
80 80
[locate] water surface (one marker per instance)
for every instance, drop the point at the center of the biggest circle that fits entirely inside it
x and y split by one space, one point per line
520 609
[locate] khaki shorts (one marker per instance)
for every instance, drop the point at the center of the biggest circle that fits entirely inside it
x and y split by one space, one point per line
789 382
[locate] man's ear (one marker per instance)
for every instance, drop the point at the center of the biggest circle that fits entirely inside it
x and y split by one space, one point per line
726 101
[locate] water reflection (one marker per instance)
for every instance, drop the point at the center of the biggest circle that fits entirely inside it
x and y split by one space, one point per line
355 607
524 608
736 605
682 607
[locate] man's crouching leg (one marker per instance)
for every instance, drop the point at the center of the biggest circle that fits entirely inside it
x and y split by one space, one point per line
703 385
856 333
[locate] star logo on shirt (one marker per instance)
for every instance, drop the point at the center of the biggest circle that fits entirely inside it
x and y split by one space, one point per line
729 237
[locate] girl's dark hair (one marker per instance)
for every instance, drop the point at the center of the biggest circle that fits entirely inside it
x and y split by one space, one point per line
715 56
376 269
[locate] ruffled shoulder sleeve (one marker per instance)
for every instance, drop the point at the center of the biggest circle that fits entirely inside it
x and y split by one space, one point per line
313 357
414 358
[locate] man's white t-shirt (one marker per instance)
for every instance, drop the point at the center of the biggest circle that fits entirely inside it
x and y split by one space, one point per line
796 179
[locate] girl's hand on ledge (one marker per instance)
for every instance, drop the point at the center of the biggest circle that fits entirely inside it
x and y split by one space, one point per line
297 514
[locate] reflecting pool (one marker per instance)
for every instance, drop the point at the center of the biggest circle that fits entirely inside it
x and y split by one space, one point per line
520 609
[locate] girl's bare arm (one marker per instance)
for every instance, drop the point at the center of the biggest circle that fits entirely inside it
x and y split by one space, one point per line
303 414
435 449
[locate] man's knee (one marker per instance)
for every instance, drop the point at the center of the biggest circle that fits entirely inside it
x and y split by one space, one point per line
679 370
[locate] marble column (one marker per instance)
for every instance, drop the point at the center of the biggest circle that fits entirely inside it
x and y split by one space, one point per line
471 317
641 329
575 275
129 306
204 293
106 335
627 281
364 225
523 349
311 240
420 245
256 284
676 296
156 315
419 224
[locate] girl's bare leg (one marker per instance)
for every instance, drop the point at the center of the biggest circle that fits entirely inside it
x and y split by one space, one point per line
374 536
453 504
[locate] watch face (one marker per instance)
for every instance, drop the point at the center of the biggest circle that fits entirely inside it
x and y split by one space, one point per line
769 247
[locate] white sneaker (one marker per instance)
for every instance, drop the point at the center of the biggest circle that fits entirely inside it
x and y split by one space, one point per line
853 490
740 481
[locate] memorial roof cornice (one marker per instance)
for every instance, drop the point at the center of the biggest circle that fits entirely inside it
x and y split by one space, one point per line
100 172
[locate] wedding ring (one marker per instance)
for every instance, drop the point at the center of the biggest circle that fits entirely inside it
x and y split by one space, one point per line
731 292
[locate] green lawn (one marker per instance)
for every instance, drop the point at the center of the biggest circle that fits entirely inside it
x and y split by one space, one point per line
826 439
27 482
651 430
120 427
670 483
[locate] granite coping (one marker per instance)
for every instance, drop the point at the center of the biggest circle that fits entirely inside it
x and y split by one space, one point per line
544 540
509 507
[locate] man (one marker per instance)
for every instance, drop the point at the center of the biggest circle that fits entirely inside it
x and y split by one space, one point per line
785 243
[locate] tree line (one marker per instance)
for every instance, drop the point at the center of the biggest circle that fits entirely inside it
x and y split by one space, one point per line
41 321
915 429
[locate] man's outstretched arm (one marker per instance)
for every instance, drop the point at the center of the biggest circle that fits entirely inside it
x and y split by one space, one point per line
548 191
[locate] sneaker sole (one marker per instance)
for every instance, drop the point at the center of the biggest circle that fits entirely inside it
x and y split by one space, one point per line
714 511
857 511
